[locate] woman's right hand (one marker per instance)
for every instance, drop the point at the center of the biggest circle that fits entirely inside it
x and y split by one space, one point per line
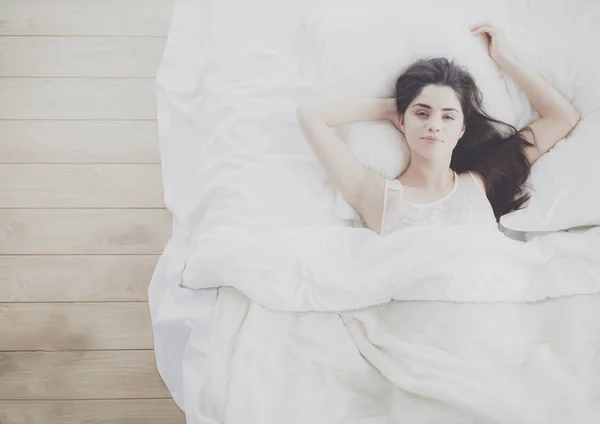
496 43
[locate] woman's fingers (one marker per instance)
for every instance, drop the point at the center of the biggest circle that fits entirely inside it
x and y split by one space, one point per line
495 40
483 27
480 27
484 23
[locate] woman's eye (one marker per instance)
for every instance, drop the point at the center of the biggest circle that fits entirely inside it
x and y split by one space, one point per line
424 114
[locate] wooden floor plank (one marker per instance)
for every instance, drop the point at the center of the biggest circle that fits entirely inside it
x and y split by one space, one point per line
80 231
116 374
34 141
72 278
81 186
77 98
86 17
75 326
135 411
81 56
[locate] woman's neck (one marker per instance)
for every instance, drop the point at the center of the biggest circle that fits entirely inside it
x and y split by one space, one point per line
428 176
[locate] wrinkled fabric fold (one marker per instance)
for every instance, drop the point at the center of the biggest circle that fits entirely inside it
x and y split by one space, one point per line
254 229
337 268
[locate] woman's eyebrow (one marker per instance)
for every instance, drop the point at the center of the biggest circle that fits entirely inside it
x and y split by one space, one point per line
429 107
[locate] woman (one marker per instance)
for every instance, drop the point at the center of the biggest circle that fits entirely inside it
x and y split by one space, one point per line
462 168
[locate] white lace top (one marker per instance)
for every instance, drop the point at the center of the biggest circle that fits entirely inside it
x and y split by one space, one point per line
467 203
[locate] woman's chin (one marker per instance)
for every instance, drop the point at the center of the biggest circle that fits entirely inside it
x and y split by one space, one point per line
433 154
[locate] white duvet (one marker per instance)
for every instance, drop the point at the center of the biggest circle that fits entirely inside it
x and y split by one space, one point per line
337 268
266 308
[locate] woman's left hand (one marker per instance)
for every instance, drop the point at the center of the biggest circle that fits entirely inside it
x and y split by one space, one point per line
496 42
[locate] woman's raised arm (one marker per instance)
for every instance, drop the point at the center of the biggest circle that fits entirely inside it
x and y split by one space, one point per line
557 115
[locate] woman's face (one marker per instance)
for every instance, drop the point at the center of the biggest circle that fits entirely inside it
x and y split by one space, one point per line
436 112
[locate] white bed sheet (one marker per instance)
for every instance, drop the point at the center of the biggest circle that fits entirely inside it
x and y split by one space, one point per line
228 83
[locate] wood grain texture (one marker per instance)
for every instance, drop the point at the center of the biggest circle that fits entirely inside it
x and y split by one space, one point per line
80 186
80 56
86 17
130 411
77 98
75 326
94 231
114 374
79 142
57 278
78 132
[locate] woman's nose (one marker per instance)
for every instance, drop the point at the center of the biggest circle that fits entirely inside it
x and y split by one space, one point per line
434 124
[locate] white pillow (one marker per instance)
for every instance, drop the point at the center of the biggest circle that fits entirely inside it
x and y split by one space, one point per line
362 47
565 183
565 192
380 147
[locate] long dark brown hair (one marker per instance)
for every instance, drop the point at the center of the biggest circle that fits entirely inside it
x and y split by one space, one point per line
497 155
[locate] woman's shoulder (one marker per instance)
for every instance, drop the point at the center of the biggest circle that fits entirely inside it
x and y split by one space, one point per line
479 179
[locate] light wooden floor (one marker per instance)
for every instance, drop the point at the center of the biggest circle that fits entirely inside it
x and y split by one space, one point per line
82 217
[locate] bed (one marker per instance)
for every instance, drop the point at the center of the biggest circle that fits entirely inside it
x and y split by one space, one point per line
270 305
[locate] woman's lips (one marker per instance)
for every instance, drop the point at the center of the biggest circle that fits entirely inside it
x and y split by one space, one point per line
431 140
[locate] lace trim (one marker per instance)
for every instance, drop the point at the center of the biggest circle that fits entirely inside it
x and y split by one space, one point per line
449 212
476 183
464 205
385 199
400 187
